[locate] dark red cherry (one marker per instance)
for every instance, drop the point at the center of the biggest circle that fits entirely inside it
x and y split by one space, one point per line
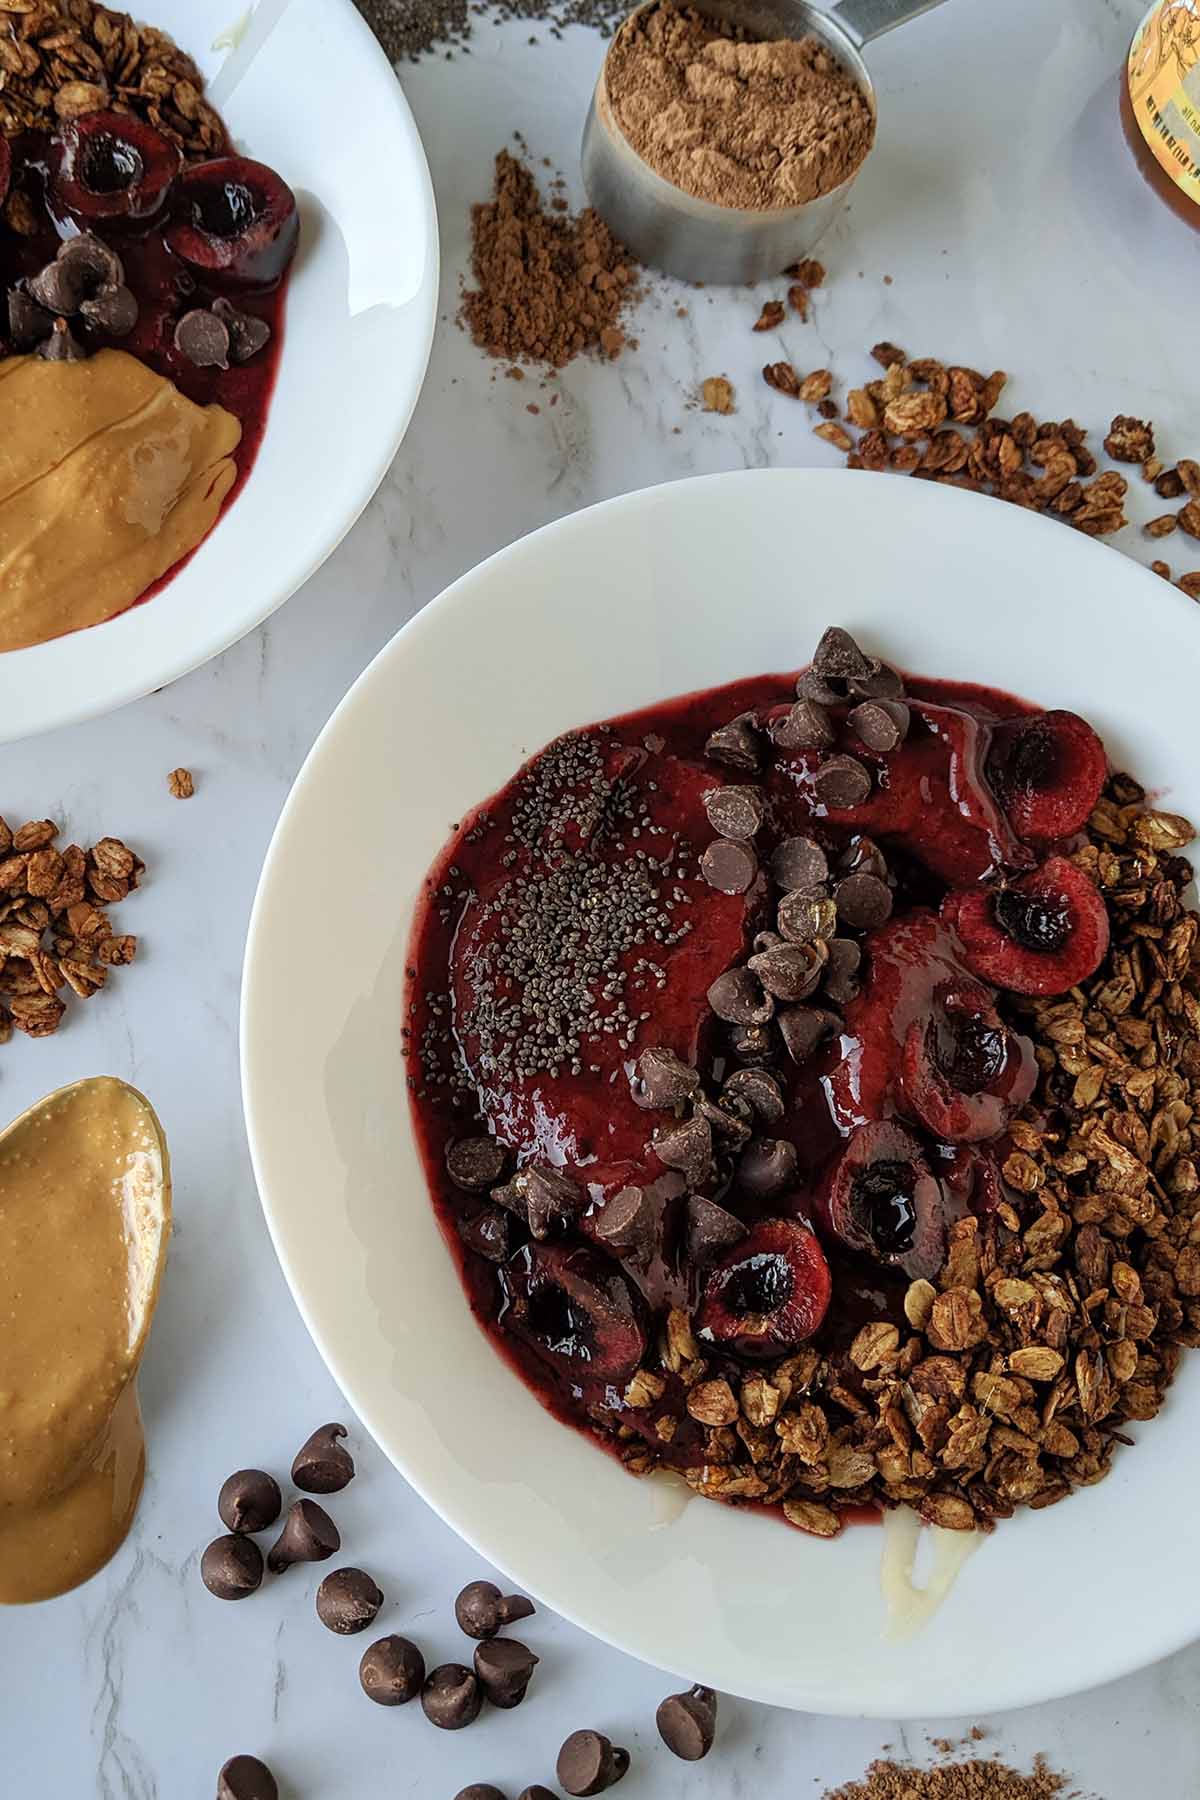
112 167
236 221
769 1293
885 1202
575 1310
1049 772
963 1071
1039 935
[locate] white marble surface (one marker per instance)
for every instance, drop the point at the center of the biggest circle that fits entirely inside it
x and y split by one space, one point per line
1005 209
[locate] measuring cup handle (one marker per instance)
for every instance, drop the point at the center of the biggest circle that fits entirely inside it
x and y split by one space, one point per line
863 20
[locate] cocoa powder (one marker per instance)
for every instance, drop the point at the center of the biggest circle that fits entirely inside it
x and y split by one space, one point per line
978 1779
548 285
741 123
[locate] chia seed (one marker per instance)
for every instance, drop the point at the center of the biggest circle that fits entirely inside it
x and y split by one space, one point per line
410 29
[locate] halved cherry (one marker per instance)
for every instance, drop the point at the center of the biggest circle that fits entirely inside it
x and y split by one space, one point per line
963 1071
769 1293
574 1309
114 167
1038 935
885 1201
1049 772
236 221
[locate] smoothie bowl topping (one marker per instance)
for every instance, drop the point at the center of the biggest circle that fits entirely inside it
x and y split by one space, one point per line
804 1073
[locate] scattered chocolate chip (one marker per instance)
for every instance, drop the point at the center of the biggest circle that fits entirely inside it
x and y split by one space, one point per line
687 1723
736 745
761 1091
247 334
308 1535
799 862
482 1610
547 1199
729 866
883 683
711 1230
880 724
841 782
321 1465
805 726
28 323
250 1500
451 1697
737 997
803 917
731 1120
475 1164
232 1567
348 1601
736 812
812 685
663 1079
588 1763
503 1668
752 1043
203 339
536 1792
863 901
626 1222
803 1027
841 971
838 657
767 1166
392 1671
862 855
94 261
112 310
479 1790
688 1148
492 1233
791 971
245 1778
62 345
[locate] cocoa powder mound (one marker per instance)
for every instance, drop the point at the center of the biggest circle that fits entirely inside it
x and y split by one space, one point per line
547 285
736 121
978 1779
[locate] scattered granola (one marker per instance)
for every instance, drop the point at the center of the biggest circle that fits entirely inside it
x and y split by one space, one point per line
978 1779
716 394
181 783
770 317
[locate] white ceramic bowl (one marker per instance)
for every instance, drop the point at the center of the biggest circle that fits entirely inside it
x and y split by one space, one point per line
647 596
309 91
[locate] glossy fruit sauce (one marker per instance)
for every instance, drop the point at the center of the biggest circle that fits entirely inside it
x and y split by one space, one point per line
567 927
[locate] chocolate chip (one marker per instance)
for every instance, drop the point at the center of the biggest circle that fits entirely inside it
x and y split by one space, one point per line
451 1697
250 1500
803 1027
730 1120
492 1233
62 345
348 1601
738 998
791 971
687 1723
392 1671
880 724
28 323
203 339
479 1790
863 901
626 1222
476 1163
729 866
247 334
803 917
588 1763
688 1148
321 1466
112 310
883 683
805 726
736 812
761 1091
536 1792
811 685
245 1778
837 656
711 1230
736 745
546 1198
767 1166
862 855
308 1535
663 1079
841 782
482 1610
92 261
232 1567
752 1043
503 1668
799 862
841 971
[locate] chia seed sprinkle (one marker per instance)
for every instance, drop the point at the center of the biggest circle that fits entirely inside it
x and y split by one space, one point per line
410 29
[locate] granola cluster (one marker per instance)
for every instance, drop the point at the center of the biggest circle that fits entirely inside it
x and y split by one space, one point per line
55 933
1058 1316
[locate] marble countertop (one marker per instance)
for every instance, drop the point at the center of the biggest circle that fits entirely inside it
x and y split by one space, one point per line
1001 223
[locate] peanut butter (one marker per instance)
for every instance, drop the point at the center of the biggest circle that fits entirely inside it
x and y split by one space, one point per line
108 476
84 1214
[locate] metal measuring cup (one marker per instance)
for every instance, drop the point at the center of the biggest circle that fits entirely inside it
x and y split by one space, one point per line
697 240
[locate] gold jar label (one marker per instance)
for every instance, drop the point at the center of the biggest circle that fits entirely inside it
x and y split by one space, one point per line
1164 89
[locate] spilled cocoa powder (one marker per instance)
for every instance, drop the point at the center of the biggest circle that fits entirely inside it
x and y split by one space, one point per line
548 284
739 122
978 1779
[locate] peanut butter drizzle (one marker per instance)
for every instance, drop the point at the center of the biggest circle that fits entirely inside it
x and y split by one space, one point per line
84 1214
